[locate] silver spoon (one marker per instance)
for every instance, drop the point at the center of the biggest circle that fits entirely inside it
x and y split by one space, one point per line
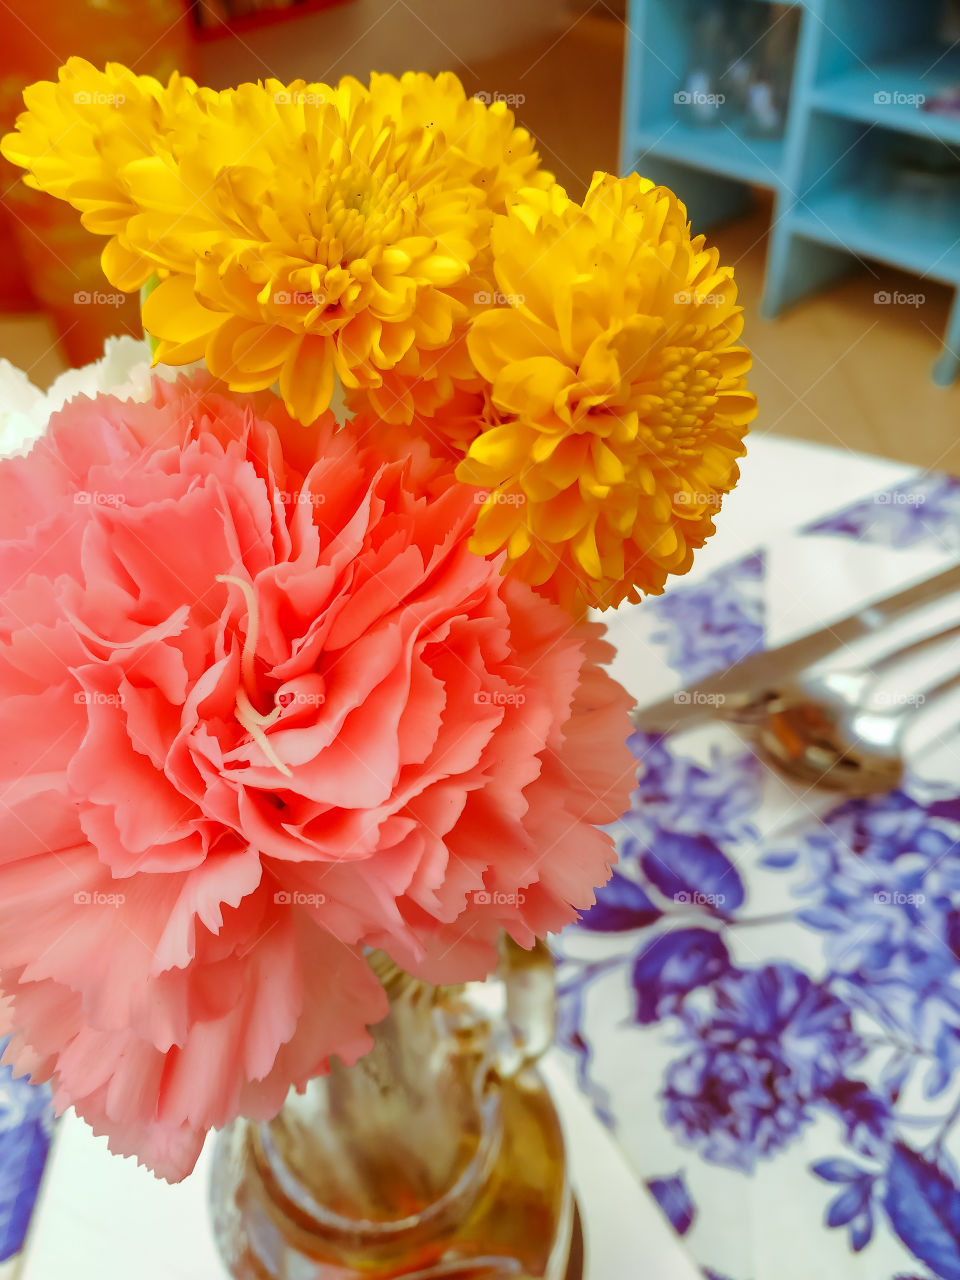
821 730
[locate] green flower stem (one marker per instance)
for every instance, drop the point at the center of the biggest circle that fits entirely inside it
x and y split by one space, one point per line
145 292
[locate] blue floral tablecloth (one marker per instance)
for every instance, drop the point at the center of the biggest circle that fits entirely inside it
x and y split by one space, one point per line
765 1003
26 1125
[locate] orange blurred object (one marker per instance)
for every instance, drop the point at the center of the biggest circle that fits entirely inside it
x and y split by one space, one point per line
53 262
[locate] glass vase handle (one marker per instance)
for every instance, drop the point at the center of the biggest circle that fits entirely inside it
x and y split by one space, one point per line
508 1020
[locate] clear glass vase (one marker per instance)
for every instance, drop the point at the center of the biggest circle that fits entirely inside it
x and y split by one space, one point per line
438 1156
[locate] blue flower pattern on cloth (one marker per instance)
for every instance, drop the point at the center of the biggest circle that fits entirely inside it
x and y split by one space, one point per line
763 1048
714 624
26 1125
925 510
855 1034
672 1196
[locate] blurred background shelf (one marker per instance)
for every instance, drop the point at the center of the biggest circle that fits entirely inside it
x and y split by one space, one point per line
720 149
822 103
882 94
930 248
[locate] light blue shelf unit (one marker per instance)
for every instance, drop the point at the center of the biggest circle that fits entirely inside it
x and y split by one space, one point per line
831 206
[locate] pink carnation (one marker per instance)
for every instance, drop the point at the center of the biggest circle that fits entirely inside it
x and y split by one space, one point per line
261 709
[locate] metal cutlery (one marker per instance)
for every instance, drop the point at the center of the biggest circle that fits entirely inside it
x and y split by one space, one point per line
820 725
740 690
832 740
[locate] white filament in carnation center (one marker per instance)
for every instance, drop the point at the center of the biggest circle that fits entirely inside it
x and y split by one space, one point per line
254 721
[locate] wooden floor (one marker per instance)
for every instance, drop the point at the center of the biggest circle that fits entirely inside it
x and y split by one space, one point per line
838 369
841 369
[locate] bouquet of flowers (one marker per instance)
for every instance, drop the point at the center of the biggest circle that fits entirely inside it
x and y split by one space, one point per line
295 655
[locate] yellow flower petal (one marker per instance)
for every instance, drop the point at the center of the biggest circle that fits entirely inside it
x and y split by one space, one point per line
124 268
502 449
500 336
586 553
532 386
172 313
306 380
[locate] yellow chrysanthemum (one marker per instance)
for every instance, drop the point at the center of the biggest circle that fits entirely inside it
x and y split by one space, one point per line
484 141
421 386
83 134
499 158
298 231
616 369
